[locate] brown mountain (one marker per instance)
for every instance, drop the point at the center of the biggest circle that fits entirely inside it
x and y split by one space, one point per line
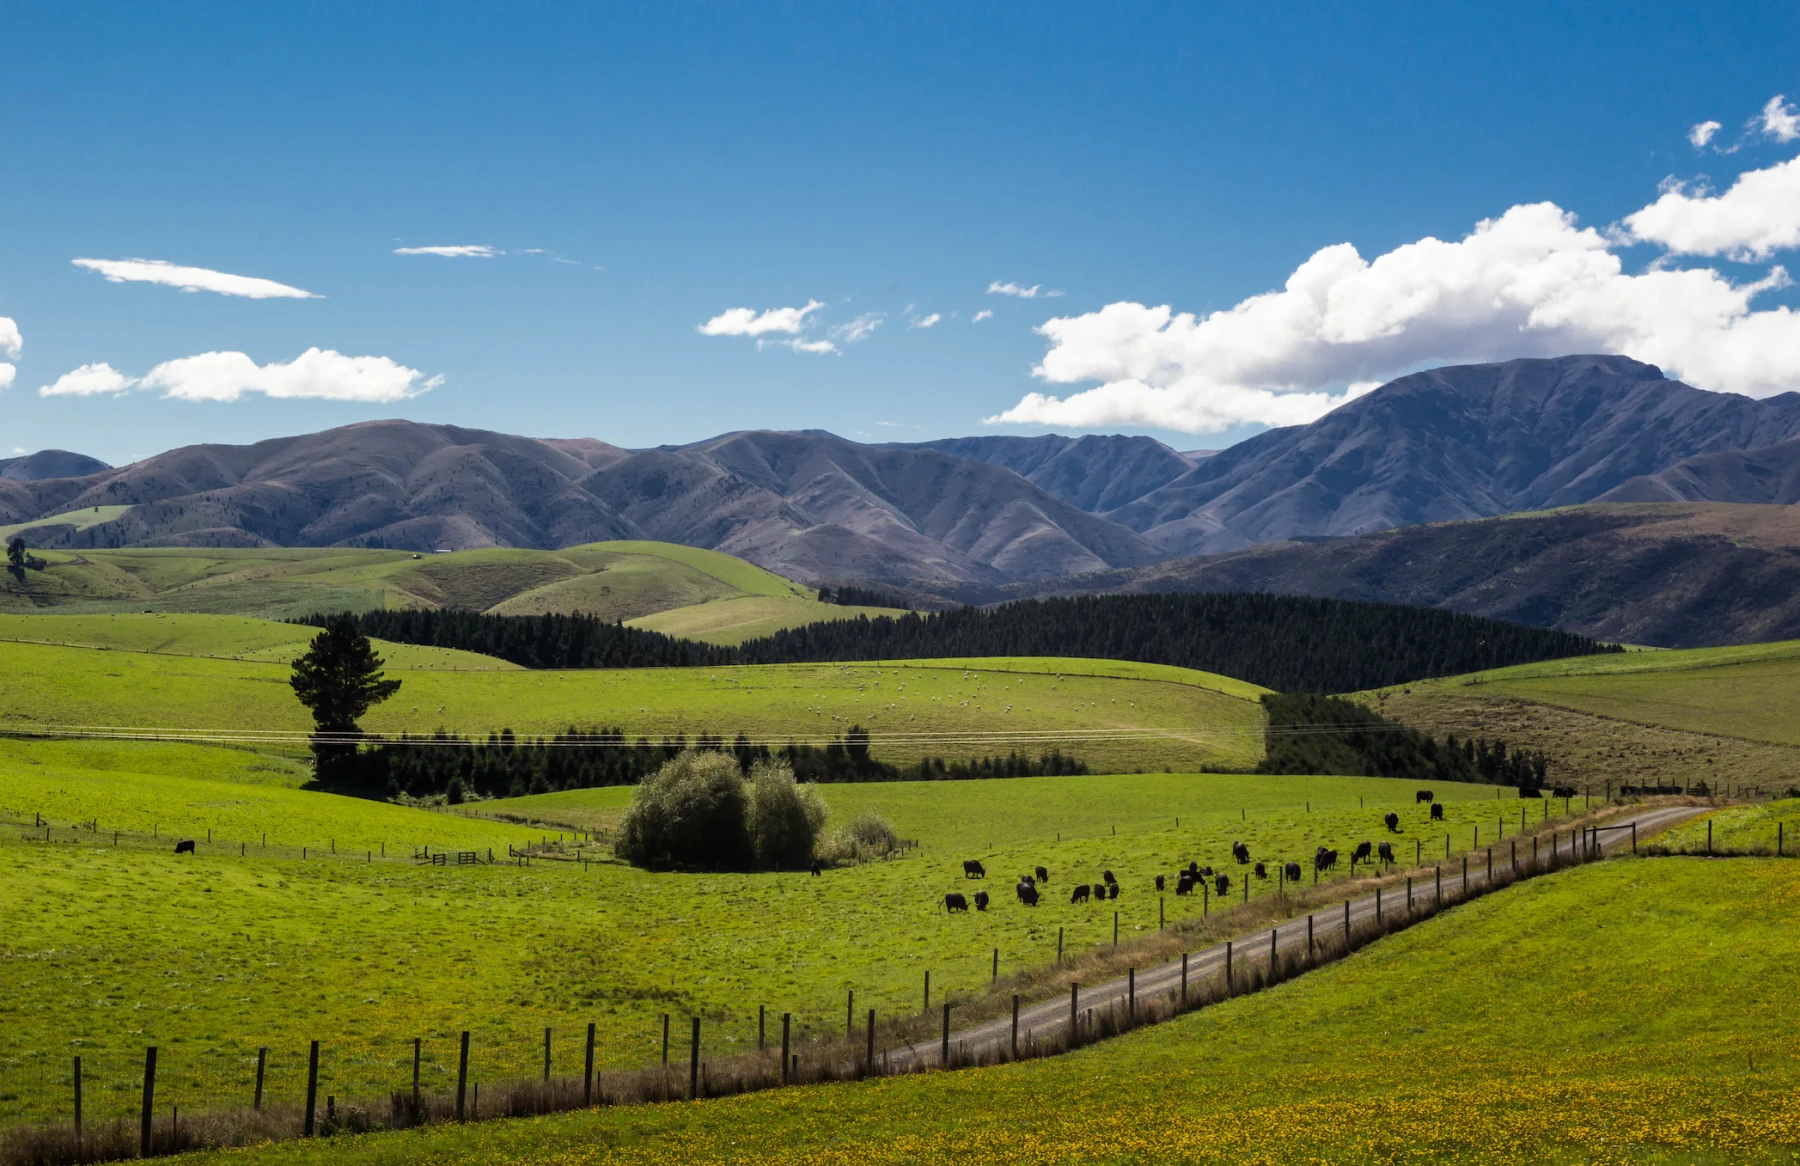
1670 575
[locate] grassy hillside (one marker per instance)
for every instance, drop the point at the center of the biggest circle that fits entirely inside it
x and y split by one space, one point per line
1117 722
79 519
616 580
212 955
1509 1030
1722 715
215 636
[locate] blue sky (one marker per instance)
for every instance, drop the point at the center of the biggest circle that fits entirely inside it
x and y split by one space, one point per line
646 170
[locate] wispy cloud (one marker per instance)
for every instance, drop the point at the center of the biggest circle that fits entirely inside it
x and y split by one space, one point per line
984 314
192 279
87 381
454 251
1019 291
926 321
1780 120
1702 134
750 322
861 328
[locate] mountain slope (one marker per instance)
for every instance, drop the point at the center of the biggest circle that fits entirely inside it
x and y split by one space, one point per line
1096 472
1678 576
50 463
1462 442
1768 474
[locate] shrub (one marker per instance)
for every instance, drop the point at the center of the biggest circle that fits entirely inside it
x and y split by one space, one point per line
785 817
868 836
693 813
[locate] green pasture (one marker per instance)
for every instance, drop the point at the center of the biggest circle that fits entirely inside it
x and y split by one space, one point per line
212 955
1519 1028
1759 826
219 636
940 708
81 519
1751 692
747 617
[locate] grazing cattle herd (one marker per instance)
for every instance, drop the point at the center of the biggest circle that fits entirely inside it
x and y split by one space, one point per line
1187 879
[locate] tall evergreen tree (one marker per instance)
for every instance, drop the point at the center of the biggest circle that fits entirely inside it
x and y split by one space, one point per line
339 679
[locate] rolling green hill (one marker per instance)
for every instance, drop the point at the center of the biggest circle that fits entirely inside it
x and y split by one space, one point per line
706 594
1721 715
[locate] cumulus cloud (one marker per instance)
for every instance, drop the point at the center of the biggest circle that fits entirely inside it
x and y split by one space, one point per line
1531 282
192 279
316 373
861 328
87 381
1703 133
7 373
456 251
927 321
1780 120
816 347
1757 217
750 322
984 314
1018 291
11 343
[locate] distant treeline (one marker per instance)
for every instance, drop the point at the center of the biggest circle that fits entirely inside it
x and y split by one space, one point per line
537 641
850 595
1327 734
505 766
1288 643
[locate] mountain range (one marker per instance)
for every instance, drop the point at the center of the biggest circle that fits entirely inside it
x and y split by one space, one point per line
1002 514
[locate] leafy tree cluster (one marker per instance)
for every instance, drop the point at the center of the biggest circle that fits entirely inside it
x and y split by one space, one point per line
19 560
1308 733
536 641
850 595
1288 643
503 765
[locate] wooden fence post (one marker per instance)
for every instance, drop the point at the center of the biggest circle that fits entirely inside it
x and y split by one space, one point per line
869 1057
262 1056
761 1015
944 1055
1184 962
665 1043
1378 905
1346 925
694 1063
312 1086
927 1006
587 1073
1074 1012
149 1101
1309 939
995 977
1059 939
416 1058
546 1055
849 1014
1131 993
1015 1027
1228 967
786 1075
462 1074
1115 929
78 1099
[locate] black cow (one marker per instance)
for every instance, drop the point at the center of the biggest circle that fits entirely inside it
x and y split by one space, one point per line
1079 894
1184 885
1562 791
954 901
185 846
1193 868
1206 872
1393 822
1043 876
981 900
1099 892
1222 883
1361 853
973 869
1423 795
1028 894
1112 890
1240 852
1262 870
1385 852
817 866
1292 872
1324 858
1159 882
1529 792
1437 812
1107 875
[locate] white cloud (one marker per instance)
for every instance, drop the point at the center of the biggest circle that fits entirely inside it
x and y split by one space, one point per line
816 347
984 314
192 279
750 322
1531 282
87 381
11 343
1703 133
1758 216
7 373
315 373
1780 120
1009 288
456 251
927 321
860 328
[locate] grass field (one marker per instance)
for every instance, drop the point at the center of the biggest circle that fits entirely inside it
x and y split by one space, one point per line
1507 1030
87 516
1169 719
1721 715
1750 828
615 580
213 955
